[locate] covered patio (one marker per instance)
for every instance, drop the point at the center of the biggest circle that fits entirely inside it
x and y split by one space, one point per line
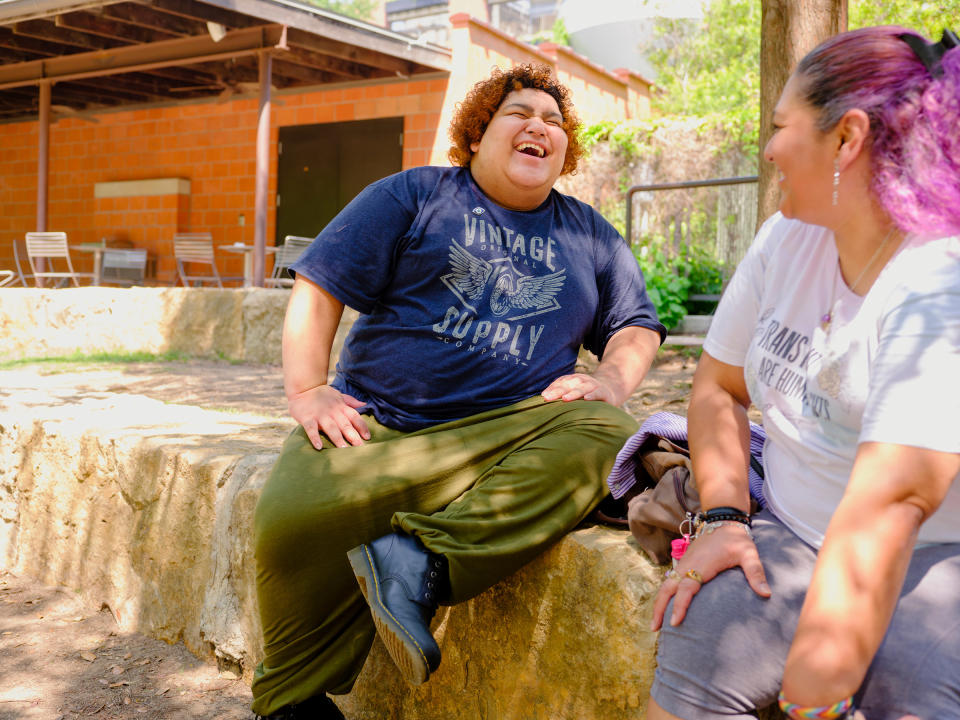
125 122
150 117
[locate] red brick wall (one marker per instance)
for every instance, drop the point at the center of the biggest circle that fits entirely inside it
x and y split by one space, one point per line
211 144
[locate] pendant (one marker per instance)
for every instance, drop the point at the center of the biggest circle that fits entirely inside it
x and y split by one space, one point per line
825 321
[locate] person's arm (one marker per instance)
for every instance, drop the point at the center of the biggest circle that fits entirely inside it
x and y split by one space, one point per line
626 359
860 569
719 435
309 327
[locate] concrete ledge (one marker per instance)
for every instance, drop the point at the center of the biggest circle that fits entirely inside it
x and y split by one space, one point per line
147 507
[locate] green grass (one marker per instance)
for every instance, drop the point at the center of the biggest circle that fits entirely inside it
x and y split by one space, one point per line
223 357
98 357
688 351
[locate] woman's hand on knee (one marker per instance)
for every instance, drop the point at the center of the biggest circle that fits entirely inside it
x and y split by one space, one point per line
709 555
325 409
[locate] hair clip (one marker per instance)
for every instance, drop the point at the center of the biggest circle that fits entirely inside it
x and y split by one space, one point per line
931 54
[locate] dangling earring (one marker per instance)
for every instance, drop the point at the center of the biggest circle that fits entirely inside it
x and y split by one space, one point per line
836 181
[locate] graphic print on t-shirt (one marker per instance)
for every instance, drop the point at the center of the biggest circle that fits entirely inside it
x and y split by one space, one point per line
470 278
498 289
785 358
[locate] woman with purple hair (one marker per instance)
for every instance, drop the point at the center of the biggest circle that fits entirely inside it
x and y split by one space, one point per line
842 325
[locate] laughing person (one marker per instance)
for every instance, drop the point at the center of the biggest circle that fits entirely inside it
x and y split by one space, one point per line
456 443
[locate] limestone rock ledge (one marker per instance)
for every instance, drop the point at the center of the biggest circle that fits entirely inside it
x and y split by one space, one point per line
240 324
564 639
147 508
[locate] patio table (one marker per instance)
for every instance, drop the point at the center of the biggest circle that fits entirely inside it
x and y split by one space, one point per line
97 250
247 251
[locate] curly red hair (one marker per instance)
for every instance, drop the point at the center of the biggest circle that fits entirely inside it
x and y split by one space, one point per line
472 116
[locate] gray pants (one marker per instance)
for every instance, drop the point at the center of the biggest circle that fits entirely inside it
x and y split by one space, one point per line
726 658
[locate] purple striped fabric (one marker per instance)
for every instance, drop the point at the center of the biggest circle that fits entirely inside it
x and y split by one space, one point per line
674 428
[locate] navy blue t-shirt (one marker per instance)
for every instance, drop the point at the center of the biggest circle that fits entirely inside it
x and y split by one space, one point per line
466 306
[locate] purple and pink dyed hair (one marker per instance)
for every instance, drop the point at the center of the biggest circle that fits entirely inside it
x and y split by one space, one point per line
914 120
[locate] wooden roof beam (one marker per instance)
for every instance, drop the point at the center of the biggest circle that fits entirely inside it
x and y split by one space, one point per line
29 44
45 30
333 65
202 12
376 41
165 53
351 53
112 29
303 74
154 19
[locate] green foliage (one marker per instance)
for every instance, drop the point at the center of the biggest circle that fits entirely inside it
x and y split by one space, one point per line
712 67
629 138
559 32
929 18
360 9
673 278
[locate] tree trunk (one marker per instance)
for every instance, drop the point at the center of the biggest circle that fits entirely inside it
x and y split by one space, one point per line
790 29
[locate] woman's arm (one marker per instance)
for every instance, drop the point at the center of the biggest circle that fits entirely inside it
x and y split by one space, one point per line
860 569
309 327
719 435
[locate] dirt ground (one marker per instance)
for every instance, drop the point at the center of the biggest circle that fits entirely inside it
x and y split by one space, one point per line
61 659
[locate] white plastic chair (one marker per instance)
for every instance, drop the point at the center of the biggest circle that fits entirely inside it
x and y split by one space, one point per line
50 247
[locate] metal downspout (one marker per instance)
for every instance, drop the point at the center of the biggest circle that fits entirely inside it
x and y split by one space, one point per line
262 170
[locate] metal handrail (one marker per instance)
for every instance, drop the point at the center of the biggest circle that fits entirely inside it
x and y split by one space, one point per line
741 180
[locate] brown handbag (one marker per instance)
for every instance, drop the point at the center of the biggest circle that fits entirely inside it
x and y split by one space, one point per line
668 493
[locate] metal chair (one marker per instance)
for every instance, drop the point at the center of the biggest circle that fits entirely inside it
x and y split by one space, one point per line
123 267
22 277
51 246
7 277
196 249
286 255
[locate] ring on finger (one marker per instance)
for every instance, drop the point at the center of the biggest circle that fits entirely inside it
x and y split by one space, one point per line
695 576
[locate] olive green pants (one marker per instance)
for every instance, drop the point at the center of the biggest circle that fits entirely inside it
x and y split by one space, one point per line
490 492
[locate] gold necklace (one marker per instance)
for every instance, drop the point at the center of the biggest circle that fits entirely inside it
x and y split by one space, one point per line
827 318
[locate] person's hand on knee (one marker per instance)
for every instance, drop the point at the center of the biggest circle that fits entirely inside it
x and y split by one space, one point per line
726 547
327 410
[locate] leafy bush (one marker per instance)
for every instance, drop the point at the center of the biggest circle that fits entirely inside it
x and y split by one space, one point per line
673 278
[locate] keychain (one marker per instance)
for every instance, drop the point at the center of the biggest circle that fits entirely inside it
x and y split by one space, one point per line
679 546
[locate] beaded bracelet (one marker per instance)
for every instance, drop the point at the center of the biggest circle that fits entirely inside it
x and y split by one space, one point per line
837 711
705 528
724 513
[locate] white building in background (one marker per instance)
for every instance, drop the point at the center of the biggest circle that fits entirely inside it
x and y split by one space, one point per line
611 33
619 33
427 19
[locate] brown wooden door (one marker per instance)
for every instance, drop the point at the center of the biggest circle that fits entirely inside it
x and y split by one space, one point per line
322 167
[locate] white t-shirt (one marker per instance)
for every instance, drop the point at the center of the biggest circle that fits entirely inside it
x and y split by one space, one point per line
886 370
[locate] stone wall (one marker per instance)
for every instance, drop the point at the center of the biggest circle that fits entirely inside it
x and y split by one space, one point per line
147 507
243 325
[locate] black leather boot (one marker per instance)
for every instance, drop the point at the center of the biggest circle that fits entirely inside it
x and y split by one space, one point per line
316 708
403 584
